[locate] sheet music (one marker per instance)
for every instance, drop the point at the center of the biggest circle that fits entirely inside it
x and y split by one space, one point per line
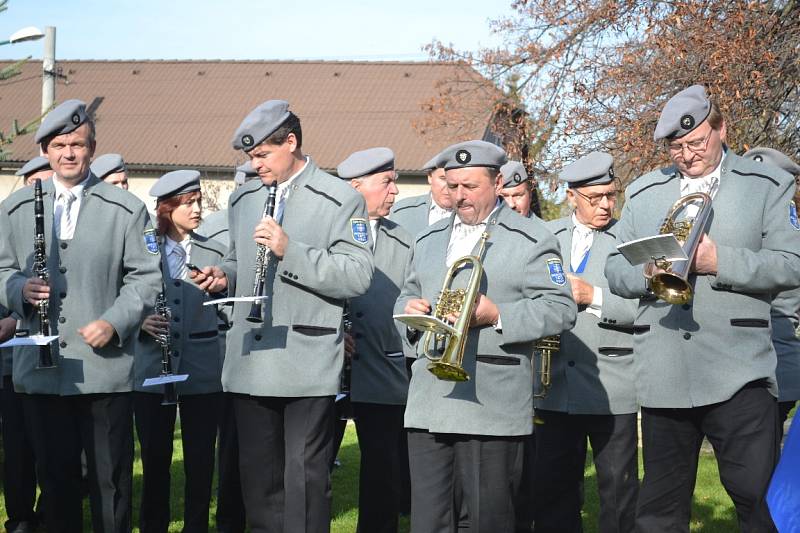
640 251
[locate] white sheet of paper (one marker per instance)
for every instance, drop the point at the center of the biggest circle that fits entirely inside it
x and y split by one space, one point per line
640 251
235 299
32 340
161 380
425 323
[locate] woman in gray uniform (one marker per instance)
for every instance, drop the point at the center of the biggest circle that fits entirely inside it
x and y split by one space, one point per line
194 348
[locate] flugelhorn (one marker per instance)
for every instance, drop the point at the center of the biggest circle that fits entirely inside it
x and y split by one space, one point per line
672 285
439 336
40 271
547 346
262 259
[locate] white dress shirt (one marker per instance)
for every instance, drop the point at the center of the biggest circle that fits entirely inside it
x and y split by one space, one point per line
436 213
708 184
282 194
64 231
582 239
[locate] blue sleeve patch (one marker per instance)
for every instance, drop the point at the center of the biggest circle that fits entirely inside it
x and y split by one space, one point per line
360 231
556 270
151 241
793 216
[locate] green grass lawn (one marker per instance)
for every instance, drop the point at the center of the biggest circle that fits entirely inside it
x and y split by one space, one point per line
712 513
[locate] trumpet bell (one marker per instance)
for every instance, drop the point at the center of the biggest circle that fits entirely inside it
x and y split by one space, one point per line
672 289
426 323
447 371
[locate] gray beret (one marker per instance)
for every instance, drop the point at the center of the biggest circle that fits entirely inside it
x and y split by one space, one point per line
435 162
774 158
36 164
474 154
683 113
513 174
65 118
175 183
595 168
244 172
260 123
366 162
107 164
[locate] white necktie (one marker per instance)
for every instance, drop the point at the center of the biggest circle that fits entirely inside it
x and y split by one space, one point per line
179 262
279 205
581 243
462 241
67 223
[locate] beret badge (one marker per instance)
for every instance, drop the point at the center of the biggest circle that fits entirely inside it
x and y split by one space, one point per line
463 157
687 122
611 172
76 119
517 178
758 158
247 140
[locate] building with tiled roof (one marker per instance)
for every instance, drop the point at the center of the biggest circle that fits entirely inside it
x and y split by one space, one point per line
163 115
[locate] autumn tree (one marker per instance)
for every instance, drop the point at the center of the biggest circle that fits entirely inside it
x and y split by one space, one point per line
593 75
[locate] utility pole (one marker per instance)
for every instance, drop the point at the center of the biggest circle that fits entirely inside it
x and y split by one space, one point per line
49 69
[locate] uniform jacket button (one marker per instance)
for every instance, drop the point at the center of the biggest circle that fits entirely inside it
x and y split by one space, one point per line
61 320
258 337
63 246
285 272
294 276
62 344
571 363
176 319
687 335
176 353
177 283
63 270
62 294
176 301
686 307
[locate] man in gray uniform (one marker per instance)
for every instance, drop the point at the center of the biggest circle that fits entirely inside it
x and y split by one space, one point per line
592 394
785 313
37 168
111 169
419 212
215 225
707 367
285 372
379 382
473 430
517 190
103 267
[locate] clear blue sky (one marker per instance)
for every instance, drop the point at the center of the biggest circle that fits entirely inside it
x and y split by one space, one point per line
255 29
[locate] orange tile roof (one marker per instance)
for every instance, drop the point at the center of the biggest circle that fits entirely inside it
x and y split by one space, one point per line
184 113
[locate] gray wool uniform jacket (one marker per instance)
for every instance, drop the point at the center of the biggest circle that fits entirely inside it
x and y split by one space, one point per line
106 271
379 369
298 349
215 226
592 373
521 276
197 347
703 352
412 213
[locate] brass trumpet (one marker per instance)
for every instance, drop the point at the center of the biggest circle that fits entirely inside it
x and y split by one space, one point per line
672 285
547 346
449 365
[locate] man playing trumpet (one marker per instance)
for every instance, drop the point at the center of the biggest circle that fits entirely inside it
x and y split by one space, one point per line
474 430
706 368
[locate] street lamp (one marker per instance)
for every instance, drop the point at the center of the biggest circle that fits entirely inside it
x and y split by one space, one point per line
31 33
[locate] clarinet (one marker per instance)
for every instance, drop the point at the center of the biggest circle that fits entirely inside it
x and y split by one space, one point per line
346 406
262 260
164 340
40 271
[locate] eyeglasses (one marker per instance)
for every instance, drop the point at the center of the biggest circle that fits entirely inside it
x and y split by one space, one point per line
594 199
696 146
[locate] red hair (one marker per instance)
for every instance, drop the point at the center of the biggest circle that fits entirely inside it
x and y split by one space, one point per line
165 207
